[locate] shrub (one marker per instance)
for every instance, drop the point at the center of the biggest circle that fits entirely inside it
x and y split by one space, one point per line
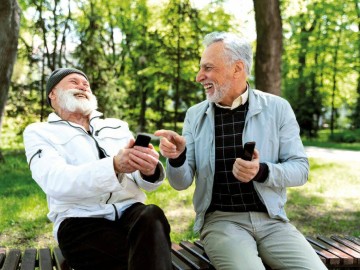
346 136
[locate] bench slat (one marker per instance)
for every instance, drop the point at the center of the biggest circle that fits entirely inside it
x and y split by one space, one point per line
2 256
59 259
178 264
345 259
353 239
194 262
343 248
199 244
195 250
45 261
330 259
12 259
346 242
28 261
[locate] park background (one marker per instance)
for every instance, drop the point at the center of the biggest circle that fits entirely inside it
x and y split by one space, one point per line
142 57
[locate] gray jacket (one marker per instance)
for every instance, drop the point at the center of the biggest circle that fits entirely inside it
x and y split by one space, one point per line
271 123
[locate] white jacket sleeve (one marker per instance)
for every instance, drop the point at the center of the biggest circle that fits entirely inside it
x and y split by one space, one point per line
62 180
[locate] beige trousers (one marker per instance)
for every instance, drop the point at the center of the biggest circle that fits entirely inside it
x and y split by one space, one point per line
247 240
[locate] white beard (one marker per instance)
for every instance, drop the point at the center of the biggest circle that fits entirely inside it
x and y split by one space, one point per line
68 101
219 93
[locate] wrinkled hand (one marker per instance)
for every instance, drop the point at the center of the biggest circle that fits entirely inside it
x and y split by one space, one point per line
244 170
171 143
121 160
132 158
144 159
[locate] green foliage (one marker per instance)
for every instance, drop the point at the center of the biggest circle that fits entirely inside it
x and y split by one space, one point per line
320 61
141 56
345 136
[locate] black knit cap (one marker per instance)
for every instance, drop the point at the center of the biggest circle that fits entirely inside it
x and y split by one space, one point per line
57 75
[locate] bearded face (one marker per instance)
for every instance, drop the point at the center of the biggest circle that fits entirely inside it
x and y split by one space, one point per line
220 91
75 100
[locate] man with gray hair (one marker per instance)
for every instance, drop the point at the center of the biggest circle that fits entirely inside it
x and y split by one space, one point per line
92 174
240 201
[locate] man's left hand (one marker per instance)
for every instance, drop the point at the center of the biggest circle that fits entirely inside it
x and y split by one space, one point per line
244 170
144 159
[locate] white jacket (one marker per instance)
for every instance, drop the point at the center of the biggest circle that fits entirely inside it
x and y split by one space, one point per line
64 161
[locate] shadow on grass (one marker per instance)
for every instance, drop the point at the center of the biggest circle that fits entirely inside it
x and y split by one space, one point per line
23 205
312 216
23 233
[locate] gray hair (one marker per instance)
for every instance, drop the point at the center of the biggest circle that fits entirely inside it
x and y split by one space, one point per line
236 48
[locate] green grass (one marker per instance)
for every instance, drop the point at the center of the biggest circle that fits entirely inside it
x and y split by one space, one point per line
332 145
23 206
328 204
324 140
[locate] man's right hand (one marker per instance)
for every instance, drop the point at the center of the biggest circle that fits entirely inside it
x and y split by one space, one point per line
171 143
121 160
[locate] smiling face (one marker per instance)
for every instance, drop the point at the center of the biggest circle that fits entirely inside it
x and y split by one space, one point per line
215 73
73 94
220 77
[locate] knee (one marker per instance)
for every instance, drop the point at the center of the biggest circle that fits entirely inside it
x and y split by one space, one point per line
154 215
153 211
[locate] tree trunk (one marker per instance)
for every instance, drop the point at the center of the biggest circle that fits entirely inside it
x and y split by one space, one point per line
9 33
334 88
268 46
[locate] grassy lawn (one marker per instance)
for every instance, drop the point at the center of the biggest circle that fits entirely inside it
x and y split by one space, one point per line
324 140
327 204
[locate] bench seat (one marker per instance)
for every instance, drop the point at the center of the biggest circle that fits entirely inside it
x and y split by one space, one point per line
336 252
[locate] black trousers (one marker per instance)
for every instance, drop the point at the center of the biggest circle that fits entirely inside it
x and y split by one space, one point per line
140 239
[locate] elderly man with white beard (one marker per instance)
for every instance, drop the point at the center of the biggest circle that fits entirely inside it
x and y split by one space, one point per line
92 175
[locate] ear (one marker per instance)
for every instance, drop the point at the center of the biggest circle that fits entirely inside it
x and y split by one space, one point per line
239 69
52 95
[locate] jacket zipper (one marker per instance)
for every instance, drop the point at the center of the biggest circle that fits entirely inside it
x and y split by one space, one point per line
96 143
97 146
38 152
116 212
97 131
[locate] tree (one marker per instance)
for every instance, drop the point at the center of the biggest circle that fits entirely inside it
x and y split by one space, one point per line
9 32
307 101
356 114
268 46
181 46
141 57
320 60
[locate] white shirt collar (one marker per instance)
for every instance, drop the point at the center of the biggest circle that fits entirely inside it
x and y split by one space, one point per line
240 100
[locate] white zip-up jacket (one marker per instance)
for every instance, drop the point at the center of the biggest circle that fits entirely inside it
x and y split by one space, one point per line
64 161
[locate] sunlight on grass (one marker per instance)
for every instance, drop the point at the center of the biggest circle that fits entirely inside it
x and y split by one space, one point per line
34 208
329 202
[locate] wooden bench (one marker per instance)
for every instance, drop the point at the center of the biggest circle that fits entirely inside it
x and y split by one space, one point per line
336 252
